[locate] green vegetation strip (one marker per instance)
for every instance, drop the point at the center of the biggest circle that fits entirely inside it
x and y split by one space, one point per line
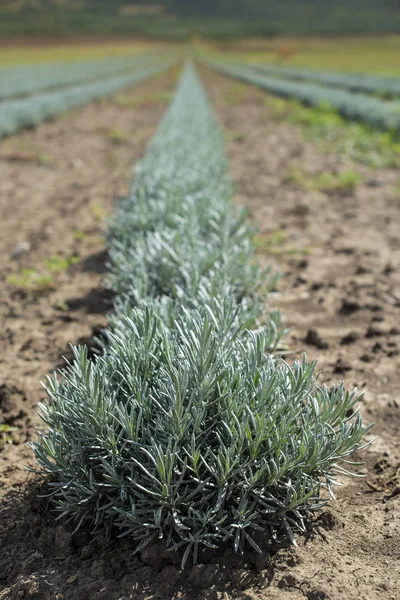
354 82
31 111
355 140
361 107
185 427
28 80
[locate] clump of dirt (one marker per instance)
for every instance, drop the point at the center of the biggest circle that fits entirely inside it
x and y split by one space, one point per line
338 294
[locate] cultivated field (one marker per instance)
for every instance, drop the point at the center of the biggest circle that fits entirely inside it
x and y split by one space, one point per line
183 426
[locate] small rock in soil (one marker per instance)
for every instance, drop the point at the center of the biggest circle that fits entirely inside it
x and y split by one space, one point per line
388 269
289 581
374 183
360 270
206 555
317 594
302 264
314 339
170 573
342 366
328 521
153 555
80 539
62 538
261 562
366 358
20 249
378 318
375 331
350 338
300 210
348 307
204 576
87 552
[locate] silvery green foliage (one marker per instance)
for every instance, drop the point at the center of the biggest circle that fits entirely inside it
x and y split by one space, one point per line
27 80
193 434
185 427
355 82
176 240
30 112
376 112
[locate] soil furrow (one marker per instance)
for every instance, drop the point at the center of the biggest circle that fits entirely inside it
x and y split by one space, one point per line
340 293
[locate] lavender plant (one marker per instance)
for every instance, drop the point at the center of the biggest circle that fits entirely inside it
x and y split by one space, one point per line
356 106
193 434
20 113
354 82
27 80
176 240
185 427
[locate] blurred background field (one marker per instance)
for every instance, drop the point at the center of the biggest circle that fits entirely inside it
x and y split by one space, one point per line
377 54
372 54
49 50
338 35
178 19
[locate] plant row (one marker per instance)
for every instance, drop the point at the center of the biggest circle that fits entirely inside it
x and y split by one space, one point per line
28 112
185 427
25 80
361 107
354 82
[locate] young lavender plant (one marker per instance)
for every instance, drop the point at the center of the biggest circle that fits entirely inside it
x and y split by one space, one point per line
193 434
176 240
185 428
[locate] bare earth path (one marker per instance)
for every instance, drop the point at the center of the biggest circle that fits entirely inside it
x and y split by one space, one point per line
339 253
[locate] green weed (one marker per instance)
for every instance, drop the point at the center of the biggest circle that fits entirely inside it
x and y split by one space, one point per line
31 280
273 245
5 430
79 235
57 263
355 140
236 136
325 181
97 211
117 136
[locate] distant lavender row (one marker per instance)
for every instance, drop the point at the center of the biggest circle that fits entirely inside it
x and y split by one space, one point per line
32 79
355 82
361 107
30 112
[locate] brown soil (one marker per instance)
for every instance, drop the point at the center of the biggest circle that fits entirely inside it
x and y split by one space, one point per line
339 254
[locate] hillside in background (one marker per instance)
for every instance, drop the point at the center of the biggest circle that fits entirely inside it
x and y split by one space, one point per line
220 18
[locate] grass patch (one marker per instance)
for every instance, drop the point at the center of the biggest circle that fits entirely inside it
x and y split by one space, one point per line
23 152
235 136
325 181
5 430
30 280
97 211
79 235
355 140
57 263
118 137
273 245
